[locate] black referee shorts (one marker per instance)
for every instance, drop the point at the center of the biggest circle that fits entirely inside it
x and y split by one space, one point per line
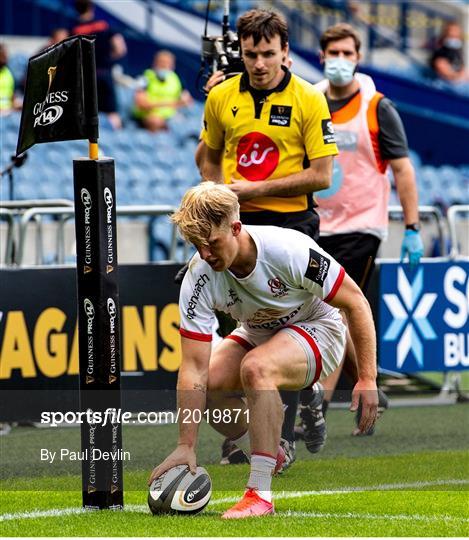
353 251
306 222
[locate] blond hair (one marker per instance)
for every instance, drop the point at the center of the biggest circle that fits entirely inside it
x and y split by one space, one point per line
203 208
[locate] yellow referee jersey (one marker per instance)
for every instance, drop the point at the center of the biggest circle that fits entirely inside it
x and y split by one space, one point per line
267 136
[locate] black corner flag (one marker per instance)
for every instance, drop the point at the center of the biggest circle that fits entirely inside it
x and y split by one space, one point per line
60 96
60 104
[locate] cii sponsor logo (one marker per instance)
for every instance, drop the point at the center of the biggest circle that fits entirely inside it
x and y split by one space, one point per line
409 310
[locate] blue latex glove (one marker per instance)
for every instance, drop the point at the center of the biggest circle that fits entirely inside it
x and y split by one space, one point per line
412 246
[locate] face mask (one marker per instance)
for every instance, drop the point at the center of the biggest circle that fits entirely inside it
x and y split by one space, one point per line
339 71
453 43
162 73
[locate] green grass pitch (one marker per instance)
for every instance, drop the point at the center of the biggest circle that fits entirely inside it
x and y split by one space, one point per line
410 479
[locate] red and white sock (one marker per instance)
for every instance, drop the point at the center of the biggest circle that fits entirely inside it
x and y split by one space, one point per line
260 479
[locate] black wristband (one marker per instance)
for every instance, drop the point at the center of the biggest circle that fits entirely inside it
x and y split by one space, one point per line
412 227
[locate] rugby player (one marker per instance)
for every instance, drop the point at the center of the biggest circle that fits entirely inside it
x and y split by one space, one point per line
285 292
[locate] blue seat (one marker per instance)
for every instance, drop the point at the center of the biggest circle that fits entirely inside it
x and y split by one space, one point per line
104 123
190 146
143 140
125 100
53 155
20 193
425 197
52 190
162 156
138 194
119 137
141 158
18 64
415 159
160 175
161 194
123 196
138 175
10 121
10 140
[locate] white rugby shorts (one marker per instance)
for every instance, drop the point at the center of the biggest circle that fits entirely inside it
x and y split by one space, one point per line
323 341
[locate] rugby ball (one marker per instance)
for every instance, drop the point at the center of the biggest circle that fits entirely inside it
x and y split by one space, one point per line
178 491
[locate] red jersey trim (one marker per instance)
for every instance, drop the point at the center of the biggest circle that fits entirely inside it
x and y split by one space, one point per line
241 341
337 284
312 344
195 335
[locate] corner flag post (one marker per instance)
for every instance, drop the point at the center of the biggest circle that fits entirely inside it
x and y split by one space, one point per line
61 104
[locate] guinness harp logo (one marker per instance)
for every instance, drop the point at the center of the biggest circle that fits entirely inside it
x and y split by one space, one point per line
51 72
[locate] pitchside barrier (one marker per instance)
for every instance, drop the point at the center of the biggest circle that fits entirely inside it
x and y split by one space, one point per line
63 215
39 232
422 315
422 319
39 339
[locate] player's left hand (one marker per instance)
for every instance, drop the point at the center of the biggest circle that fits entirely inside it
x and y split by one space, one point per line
412 246
367 392
244 190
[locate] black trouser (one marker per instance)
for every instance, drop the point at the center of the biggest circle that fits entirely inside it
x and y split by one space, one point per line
306 222
356 252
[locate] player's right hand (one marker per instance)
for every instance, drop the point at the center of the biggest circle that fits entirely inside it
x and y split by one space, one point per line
365 391
183 455
215 79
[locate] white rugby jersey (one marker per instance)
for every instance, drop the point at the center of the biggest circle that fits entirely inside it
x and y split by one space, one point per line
292 281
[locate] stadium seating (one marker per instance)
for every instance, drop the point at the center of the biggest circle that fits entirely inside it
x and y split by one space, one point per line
159 168
150 168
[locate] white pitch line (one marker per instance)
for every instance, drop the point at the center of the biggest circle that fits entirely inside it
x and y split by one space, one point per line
58 512
351 515
352 489
346 515
55 512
